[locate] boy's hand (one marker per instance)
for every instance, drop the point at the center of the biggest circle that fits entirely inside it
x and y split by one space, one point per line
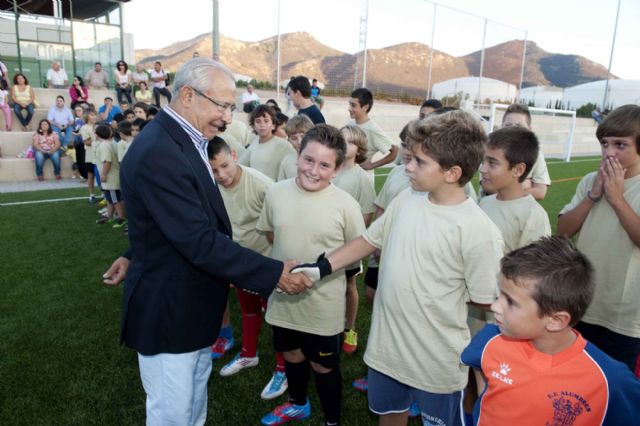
315 271
613 179
598 184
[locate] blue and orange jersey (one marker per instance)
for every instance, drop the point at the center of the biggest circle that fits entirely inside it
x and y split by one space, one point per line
579 386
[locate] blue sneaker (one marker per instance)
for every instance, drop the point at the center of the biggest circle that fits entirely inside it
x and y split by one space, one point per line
221 346
286 412
414 410
276 386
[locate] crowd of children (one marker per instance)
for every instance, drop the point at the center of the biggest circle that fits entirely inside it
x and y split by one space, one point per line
455 281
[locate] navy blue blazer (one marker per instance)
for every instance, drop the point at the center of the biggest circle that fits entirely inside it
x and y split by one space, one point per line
182 255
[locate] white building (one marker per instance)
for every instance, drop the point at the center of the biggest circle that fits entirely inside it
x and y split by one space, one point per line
621 92
489 88
541 96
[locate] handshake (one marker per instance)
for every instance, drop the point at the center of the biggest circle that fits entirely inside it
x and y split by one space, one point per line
296 278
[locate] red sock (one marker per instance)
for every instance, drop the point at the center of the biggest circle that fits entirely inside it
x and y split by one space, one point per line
250 331
279 361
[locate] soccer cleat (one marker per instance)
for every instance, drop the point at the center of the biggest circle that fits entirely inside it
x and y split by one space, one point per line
103 220
286 412
237 364
414 410
92 199
276 386
361 384
102 203
221 346
119 223
350 343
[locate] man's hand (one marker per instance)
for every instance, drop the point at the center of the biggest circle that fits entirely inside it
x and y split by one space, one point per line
117 272
292 283
315 271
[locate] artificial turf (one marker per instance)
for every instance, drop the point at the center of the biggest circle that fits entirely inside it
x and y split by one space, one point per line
61 362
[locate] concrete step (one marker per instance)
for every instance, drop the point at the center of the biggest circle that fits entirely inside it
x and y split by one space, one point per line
13 143
38 114
24 169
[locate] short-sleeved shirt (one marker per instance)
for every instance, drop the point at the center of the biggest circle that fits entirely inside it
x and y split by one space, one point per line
266 157
244 204
97 80
314 114
140 76
615 259
579 386
306 224
377 139
112 113
288 167
357 183
146 97
107 151
539 172
521 221
86 132
60 117
155 74
434 260
240 131
233 144
396 182
57 78
122 148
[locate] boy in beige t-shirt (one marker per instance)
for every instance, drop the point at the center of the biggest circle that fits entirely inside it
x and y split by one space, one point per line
296 127
88 137
439 252
605 211
107 160
125 129
266 152
306 216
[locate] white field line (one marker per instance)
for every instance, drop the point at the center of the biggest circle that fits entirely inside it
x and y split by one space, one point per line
53 200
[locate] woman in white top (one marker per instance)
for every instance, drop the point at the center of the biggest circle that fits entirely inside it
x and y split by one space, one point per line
123 81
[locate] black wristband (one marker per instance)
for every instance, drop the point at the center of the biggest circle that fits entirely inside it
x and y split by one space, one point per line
592 198
324 266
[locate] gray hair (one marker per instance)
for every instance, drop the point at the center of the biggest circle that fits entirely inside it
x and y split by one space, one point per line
196 73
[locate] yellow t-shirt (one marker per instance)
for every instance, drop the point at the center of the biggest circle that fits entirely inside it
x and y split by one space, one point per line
521 221
146 97
107 151
434 260
266 157
87 132
357 183
615 259
539 172
377 139
244 204
396 182
122 148
306 224
240 131
288 167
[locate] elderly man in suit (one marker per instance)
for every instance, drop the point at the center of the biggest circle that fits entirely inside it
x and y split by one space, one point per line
181 258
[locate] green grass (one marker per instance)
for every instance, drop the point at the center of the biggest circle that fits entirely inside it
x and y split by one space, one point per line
61 362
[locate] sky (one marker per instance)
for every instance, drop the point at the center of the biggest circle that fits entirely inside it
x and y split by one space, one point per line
582 27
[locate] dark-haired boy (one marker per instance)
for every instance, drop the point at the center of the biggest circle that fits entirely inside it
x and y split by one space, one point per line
306 216
605 211
508 158
299 91
107 161
539 370
439 251
360 106
428 106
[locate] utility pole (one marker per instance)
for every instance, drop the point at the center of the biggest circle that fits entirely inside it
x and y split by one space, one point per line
215 32
613 44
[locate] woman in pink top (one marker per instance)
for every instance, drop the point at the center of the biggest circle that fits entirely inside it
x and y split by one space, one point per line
46 145
78 92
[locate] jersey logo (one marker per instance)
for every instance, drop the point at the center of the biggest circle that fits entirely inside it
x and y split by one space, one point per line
564 412
326 353
503 375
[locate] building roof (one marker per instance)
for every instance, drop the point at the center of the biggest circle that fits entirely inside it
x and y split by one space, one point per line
82 9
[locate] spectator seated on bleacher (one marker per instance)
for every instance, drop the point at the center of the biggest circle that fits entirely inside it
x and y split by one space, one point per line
250 100
108 110
61 121
46 144
139 76
97 78
57 76
23 99
6 110
123 81
143 94
79 93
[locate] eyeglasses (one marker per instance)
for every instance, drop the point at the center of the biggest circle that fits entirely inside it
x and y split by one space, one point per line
222 106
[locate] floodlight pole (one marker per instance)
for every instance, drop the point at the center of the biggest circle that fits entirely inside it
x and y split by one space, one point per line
433 35
16 18
215 32
524 55
278 56
613 44
484 37
365 23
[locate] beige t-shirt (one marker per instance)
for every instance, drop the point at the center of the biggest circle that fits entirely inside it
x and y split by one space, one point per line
266 157
396 182
306 224
107 152
357 183
87 132
539 172
122 148
240 131
233 143
521 221
244 204
615 259
434 260
377 139
288 167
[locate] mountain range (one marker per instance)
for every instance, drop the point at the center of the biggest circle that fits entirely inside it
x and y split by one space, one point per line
401 68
